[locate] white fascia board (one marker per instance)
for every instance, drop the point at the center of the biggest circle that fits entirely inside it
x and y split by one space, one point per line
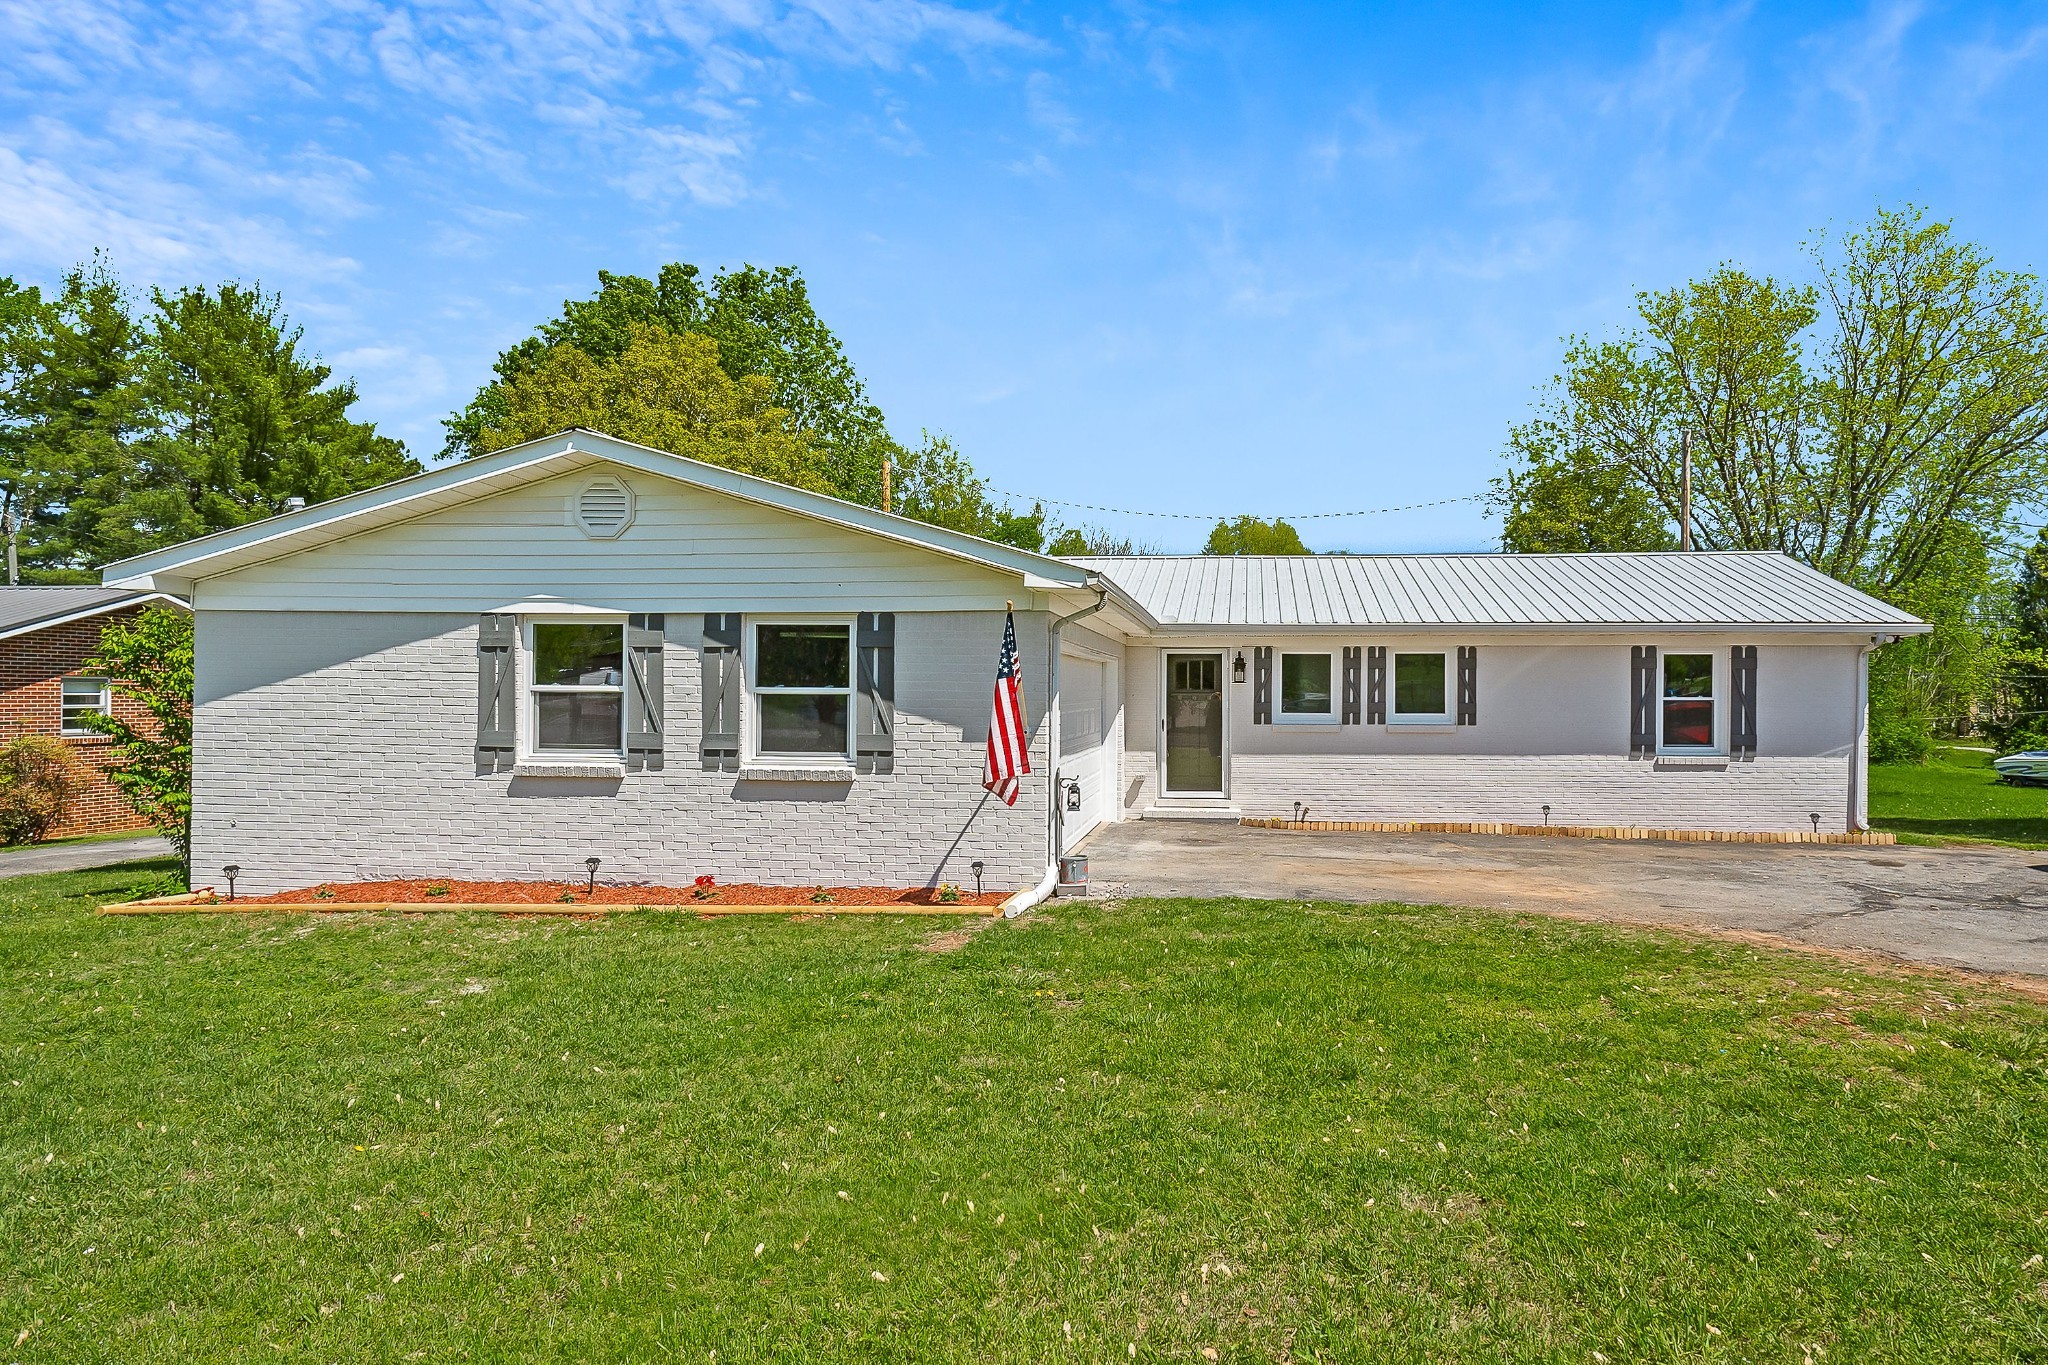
435 489
87 613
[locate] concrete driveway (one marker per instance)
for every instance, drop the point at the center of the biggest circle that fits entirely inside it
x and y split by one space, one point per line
20 862
1978 908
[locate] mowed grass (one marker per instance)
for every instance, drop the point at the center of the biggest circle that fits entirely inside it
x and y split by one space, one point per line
1955 795
1269 1130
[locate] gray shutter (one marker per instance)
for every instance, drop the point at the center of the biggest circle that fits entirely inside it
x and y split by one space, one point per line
1376 685
1262 685
644 640
1742 682
874 744
1468 684
721 667
1642 705
1351 684
496 693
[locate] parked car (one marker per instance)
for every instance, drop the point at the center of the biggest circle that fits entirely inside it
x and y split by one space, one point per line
2029 769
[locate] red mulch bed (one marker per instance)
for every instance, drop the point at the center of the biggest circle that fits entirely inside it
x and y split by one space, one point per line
428 891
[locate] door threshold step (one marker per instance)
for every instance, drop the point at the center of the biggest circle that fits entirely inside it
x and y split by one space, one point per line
1224 814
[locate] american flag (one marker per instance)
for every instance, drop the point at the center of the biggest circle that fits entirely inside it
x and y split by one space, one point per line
1009 755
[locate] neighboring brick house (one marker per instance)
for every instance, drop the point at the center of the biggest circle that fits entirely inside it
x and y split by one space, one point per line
46 636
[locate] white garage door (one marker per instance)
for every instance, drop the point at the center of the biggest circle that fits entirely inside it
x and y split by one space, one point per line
1086 709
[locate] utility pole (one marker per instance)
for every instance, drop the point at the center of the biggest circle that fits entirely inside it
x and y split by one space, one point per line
1685 490
885 483
7 527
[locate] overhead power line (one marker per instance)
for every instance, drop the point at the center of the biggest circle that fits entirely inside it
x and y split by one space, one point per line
1226 516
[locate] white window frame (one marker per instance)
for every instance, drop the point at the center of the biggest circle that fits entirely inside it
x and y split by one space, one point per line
65 709
1281 715
531 691
751 657
1396 716
1718 696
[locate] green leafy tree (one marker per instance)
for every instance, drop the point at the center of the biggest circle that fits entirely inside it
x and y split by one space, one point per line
149 658
665 390
1849 423
1928 687
936 483
1250 536
126 434
236 420
68 409
2023 723
761 322
1561 498
1093 540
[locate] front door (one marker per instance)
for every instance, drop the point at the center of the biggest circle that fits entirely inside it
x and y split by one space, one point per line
1194 724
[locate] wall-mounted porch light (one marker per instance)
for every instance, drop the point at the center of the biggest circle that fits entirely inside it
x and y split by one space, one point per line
1237 667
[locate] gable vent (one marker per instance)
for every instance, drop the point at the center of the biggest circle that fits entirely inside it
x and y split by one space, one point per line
604 509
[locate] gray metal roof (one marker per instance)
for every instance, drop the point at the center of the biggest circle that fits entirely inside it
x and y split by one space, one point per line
23 609
1502 590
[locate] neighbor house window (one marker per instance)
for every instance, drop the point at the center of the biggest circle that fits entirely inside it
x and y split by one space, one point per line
578 686
1420 693
1305 687
1688 701
803 689
82 697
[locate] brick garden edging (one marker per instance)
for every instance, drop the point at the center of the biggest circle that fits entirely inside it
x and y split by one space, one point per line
1682 836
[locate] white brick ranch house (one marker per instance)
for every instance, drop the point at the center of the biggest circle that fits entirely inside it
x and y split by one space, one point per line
581 647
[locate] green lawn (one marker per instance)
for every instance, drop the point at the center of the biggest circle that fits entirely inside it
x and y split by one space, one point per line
1955 796
1271 1130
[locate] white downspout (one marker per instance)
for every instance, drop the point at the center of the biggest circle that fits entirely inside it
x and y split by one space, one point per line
1859 762
1036 895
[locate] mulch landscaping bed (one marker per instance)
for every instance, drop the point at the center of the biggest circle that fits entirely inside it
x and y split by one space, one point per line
555 897
551 893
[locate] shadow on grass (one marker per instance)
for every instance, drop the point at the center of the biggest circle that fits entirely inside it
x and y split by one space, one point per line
118 882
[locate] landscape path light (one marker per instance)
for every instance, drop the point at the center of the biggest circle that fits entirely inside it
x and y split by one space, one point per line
591 864
231 871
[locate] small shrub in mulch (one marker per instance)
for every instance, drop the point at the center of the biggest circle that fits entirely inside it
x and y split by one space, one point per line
442 890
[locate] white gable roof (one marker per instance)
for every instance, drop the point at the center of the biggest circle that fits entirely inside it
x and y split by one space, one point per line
1591 591
176 568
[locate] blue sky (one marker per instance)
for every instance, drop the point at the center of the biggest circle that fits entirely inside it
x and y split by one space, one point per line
1190 258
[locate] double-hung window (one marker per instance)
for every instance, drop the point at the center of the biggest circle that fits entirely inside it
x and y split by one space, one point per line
578 687
1421 689
1305 694
81 697
803 689
1688 701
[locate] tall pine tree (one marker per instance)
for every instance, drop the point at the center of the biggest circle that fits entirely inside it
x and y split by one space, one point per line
121 434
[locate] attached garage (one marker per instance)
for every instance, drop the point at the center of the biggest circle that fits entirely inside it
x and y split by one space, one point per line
1088 753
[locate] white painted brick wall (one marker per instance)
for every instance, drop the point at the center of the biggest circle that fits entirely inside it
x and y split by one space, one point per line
1769 793
333 746
1552 729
